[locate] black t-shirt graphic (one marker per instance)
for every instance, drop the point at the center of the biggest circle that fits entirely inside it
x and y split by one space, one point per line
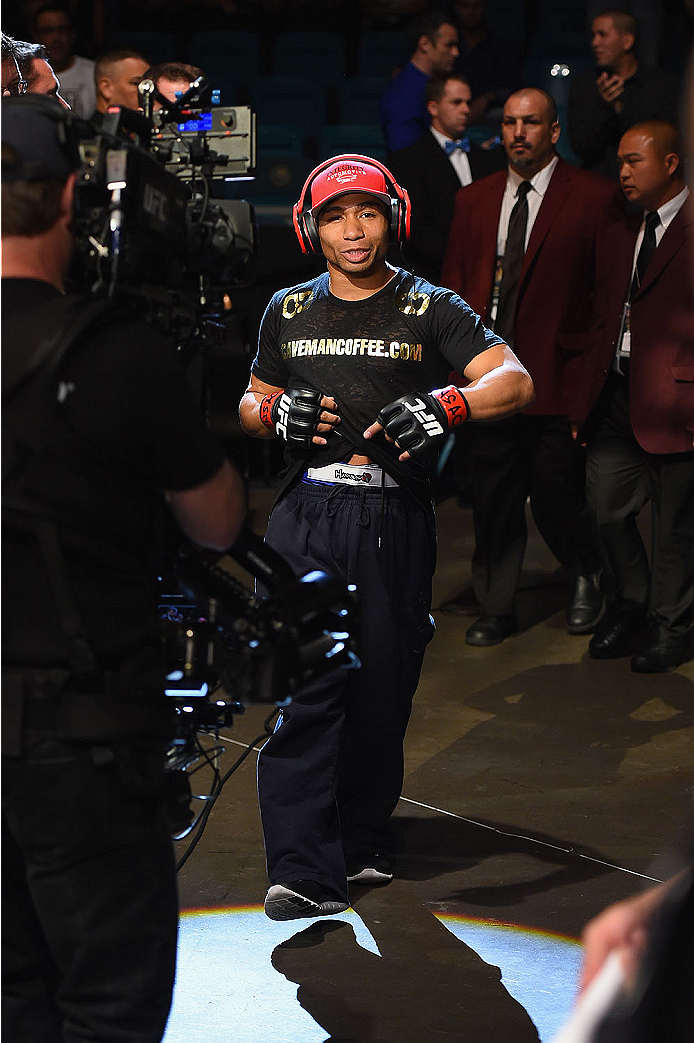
407 337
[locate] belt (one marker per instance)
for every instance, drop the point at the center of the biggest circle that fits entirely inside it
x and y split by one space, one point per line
357 475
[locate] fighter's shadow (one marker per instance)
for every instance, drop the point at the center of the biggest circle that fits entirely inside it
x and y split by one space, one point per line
425 985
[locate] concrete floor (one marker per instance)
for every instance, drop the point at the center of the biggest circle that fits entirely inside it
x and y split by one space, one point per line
540 786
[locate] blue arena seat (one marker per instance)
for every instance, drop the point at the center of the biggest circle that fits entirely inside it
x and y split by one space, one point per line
156 45
363 138
358 98
381 51
318 53
278 139
230 60
296 100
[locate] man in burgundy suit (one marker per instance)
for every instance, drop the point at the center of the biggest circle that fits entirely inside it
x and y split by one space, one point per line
641 432
522 254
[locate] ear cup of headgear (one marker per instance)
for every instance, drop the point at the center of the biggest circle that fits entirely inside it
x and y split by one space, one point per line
349 173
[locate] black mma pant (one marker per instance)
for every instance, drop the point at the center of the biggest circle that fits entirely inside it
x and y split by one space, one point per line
621 478
505 462
330 776
89 895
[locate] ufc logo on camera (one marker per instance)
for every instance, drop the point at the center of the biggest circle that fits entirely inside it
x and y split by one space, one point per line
428 421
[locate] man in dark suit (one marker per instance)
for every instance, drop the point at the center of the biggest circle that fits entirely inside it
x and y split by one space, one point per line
521 252
641 431
620 91
435 167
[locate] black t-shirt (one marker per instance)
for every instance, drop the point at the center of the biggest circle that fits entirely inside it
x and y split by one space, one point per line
126 430
407 337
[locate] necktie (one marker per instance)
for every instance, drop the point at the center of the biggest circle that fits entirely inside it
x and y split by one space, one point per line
513 261
646 251
462 143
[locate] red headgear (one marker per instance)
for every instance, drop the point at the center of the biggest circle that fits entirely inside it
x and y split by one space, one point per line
349 174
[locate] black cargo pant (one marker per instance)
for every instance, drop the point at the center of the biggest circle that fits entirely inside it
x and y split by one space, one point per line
331 774
89 915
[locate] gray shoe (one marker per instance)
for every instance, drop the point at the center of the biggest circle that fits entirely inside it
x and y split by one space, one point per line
299 898
375 870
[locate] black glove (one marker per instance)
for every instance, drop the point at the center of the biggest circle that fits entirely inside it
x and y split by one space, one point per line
420 423
294 414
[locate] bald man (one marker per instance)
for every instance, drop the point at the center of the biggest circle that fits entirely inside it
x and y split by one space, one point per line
641 430
521 252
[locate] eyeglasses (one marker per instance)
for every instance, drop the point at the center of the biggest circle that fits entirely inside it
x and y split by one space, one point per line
19 86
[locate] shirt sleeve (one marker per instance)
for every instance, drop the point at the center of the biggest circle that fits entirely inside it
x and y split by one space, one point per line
457 330
268 364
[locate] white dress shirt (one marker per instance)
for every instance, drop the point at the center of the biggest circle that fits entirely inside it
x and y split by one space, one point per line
538 186
458 158
667 212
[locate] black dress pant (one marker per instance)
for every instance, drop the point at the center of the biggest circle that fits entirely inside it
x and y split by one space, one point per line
89 915
621 478
331 774
504 463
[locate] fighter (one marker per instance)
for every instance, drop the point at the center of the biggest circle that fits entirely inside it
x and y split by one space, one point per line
351 373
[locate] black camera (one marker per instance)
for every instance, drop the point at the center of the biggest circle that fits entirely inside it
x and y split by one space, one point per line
227 645
150 219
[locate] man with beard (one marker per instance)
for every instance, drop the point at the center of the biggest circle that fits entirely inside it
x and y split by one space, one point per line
521 252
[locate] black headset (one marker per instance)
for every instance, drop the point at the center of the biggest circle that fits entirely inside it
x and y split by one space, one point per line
304 221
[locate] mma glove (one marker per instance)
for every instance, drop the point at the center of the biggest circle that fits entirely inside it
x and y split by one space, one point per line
419 423
293 414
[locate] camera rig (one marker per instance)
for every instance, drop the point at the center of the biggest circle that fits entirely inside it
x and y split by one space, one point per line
147 224
227 645
151 226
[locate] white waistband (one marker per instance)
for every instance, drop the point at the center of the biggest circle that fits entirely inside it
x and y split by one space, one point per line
358 475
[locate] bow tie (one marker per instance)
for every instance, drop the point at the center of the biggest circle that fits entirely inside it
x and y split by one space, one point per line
462 143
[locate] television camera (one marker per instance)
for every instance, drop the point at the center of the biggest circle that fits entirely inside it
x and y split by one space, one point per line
151 227
147 223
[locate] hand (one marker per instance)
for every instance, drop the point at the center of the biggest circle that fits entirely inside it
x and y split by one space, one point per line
419 423
625 927
575 431
300 416
610 88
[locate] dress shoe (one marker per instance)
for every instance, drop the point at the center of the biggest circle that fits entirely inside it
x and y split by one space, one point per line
586 605
490 630
616 633
662 651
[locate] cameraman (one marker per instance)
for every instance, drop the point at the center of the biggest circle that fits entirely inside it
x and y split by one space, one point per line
90 911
